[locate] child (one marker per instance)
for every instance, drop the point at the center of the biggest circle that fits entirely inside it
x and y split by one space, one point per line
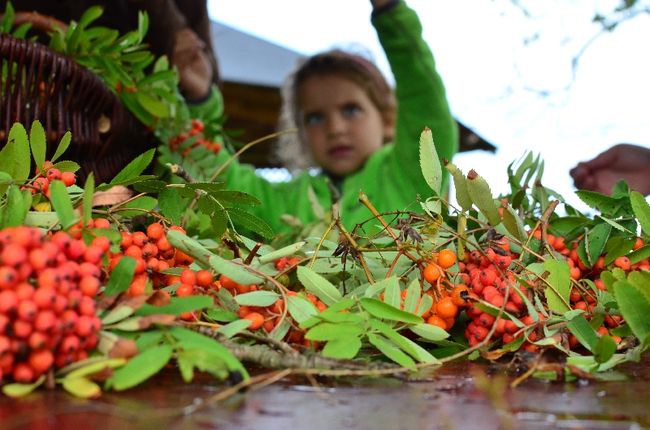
346 114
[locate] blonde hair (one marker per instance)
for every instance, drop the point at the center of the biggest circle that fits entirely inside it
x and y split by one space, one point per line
291 149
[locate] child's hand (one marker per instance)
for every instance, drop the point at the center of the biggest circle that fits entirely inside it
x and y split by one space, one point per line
193 64
376 4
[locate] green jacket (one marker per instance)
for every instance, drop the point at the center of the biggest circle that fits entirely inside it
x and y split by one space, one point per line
391 177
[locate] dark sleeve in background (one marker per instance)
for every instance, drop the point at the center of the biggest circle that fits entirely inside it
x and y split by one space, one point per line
166 17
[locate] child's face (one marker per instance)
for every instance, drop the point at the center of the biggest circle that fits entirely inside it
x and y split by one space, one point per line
339 121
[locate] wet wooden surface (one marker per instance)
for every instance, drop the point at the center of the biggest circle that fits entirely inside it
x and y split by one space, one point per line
450 401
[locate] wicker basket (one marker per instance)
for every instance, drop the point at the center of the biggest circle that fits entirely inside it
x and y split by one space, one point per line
42 84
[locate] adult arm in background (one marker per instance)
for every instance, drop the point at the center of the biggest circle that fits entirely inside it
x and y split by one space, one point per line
620 162
181 29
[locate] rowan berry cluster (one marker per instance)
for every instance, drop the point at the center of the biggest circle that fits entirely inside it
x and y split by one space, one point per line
491 280
48 285
268 317
448 298
197 137
41 184
153 255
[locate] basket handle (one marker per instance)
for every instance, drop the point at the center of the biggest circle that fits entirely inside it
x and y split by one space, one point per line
40 22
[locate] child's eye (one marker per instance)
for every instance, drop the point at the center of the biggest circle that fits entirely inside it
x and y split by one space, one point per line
313 118
351 109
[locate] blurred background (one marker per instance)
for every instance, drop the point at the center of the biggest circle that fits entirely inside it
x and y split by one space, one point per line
565 79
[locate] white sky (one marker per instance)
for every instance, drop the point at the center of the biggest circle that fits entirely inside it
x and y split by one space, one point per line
493 77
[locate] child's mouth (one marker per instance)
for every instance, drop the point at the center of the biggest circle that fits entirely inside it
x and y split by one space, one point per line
340 151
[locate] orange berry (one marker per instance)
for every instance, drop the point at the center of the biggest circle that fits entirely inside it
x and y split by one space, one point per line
188 277
185 290
155 231
431 273
623 262
446 308
204 278
446 258
257 320
638 244
459 295
227 283
437 321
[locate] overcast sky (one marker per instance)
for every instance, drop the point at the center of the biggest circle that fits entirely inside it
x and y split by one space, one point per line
508 76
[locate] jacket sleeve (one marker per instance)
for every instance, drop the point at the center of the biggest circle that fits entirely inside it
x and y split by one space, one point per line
421 97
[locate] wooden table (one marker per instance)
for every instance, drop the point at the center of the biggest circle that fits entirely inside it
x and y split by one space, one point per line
451 400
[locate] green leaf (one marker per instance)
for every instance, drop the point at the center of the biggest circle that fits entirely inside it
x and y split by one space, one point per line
344 348
62 204
429 332
460 185
67 166
90 366
219 223
392 293
121 276
150 186
44 220
141 367
425 304
583 331
172 204
559 289
641 210
596 240
37 143
153 105
63 145
329 331
205 361
81 387
429 161
634 307
565 225
229 198
382 310
15 157
176 306
282 252
221 315
257 298
618 246
390 350
89 190
319 286
481 195
234 327
513 223
640 254
378 287
255 224
604 349
300 308
140 206
15 209
188 339
413 295
134 168
599 201
236 272
120 312
21 390
405 344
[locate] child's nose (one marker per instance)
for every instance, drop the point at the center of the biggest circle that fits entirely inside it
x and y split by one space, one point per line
335 125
